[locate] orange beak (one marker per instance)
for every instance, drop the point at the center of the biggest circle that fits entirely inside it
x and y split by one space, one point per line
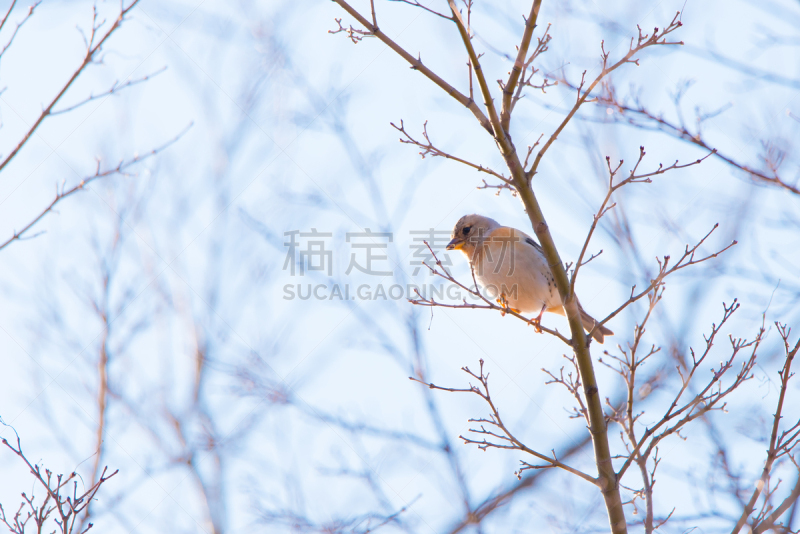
455 244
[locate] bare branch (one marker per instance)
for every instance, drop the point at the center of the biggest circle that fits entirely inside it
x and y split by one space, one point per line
92 50
115 88
66 505
628 364
519 64
488 304
605 207
499 188
707 399
529 71
28 15
637 115
506 439
428 149
417 64
779 444
664 270
644 41
353 34
123 168
573 385
495 128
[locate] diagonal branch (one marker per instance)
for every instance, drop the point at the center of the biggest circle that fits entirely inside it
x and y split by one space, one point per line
522 52
94 45
612 187
114 89
776 444
494 121
770 521
644 40
428 149
19 24
417 64
664 270
505 439
497 500
122 168
679 131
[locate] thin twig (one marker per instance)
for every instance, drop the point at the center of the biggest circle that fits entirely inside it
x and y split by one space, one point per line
506 440
114 89
121 169
94 45
417 64
428 149
643 41
605 207
441 272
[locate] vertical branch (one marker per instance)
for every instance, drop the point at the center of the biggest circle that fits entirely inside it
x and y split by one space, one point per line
776 444
469 62
494 121
633 361
516 71
102 397
607 479
102 308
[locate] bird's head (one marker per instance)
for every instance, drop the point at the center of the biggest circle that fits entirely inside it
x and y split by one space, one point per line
469 233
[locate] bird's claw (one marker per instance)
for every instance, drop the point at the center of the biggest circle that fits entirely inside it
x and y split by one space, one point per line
504 307
537 324
537 321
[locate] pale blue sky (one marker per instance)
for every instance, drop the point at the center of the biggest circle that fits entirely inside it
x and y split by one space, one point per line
291 132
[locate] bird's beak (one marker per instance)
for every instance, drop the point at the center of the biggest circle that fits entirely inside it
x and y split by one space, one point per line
455 244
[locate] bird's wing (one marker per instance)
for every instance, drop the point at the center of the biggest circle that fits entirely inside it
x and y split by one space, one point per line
529 240
500 241
518 237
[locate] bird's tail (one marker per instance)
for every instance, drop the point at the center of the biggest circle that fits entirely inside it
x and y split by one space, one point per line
599 332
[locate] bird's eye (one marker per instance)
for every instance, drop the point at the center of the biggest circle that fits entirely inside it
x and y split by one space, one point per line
466 230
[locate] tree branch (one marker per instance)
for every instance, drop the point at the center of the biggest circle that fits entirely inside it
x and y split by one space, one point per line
644 41
605 207
122 169
507 439
519 63
777 443
93 46
429 149
417 64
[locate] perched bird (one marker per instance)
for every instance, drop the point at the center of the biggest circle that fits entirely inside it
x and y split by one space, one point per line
511 264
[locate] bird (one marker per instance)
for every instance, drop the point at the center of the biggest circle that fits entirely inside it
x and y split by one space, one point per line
511 264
